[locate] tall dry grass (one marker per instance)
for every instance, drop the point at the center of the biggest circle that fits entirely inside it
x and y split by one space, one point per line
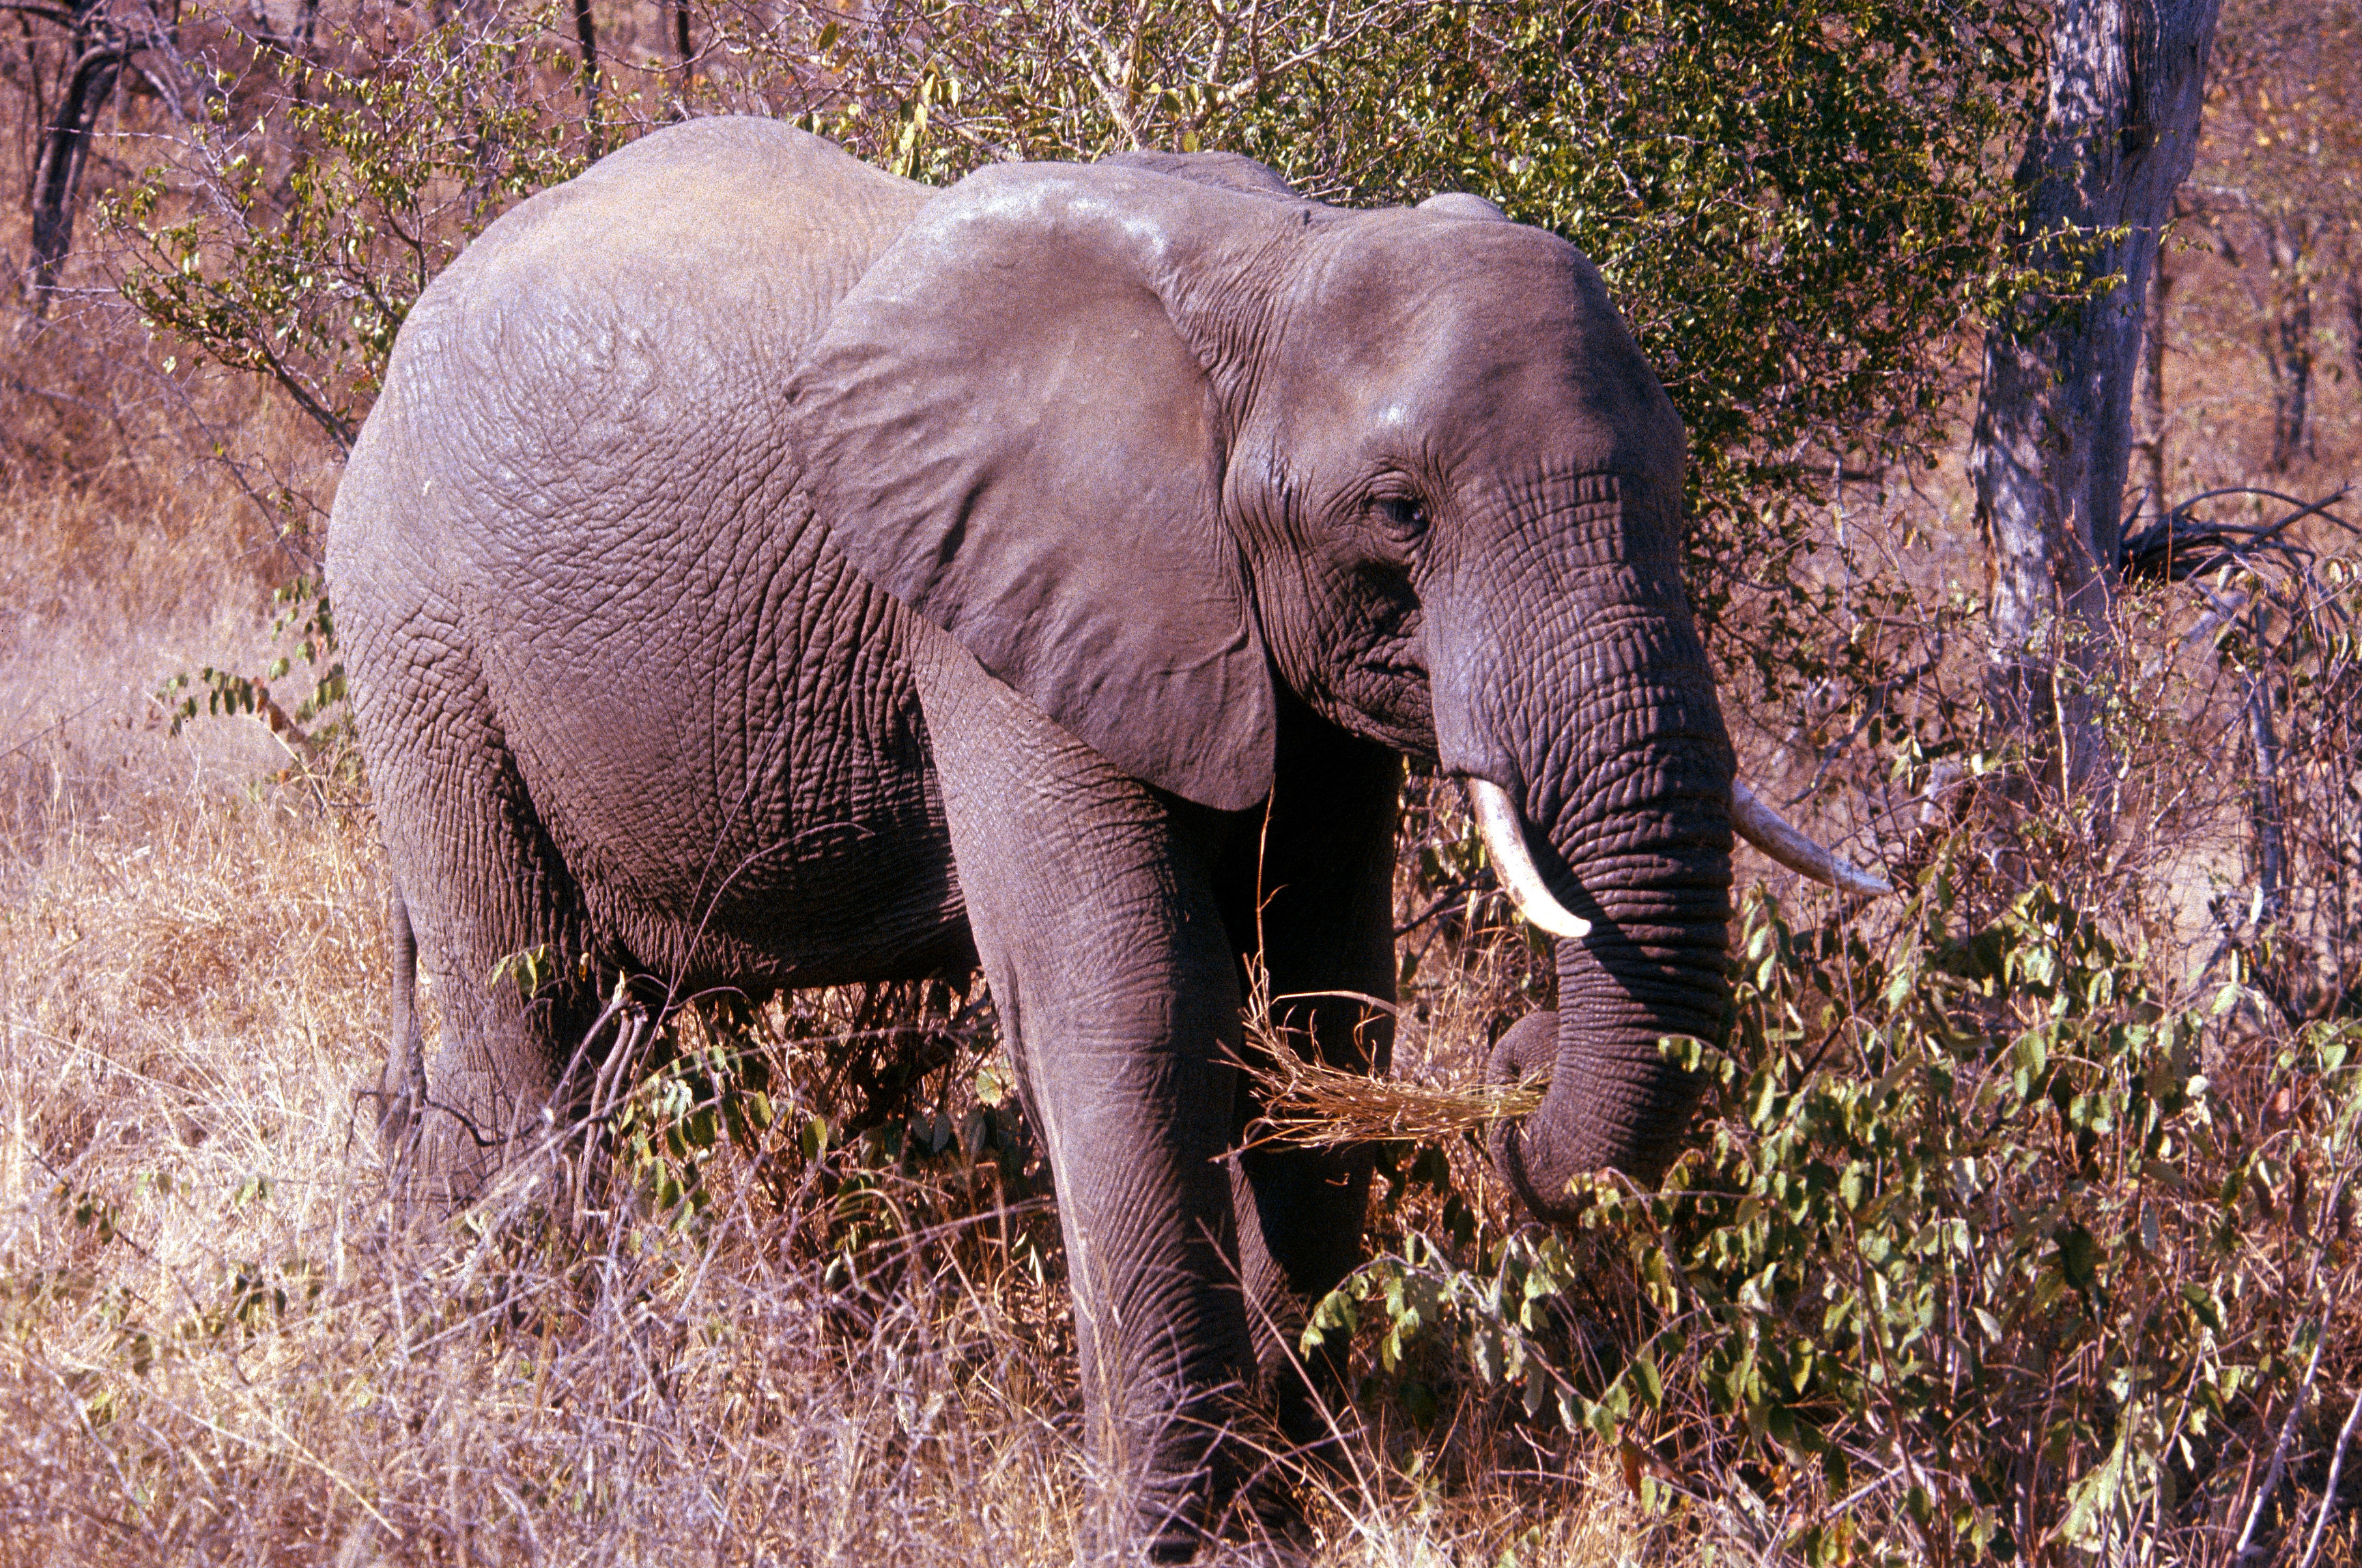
222 1345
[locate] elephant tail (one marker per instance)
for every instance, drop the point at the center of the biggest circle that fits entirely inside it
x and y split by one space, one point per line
402 1088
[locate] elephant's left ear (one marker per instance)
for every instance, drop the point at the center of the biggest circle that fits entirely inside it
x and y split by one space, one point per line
1006 426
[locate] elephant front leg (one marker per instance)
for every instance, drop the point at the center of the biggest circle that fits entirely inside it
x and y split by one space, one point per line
1092 903
1310 903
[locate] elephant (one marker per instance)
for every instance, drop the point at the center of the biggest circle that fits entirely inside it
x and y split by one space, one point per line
759 571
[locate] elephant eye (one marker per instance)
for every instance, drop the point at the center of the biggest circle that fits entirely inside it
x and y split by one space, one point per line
1402 514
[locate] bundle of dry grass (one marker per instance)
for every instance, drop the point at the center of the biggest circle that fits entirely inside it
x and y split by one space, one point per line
1314 1106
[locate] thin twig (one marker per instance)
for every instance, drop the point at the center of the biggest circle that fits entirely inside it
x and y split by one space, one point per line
2279 1467
2329 1487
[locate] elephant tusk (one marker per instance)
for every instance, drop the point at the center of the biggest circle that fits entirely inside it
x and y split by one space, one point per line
1505 841
1764 828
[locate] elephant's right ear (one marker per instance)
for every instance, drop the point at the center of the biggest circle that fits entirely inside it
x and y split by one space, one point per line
1004 428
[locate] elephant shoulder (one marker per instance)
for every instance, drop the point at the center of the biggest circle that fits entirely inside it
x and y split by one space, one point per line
617 344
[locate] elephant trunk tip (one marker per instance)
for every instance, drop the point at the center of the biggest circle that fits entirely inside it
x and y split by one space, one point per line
1539 1156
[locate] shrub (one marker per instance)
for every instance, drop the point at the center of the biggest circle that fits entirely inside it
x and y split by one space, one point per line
289 240
1970 1263
1797 207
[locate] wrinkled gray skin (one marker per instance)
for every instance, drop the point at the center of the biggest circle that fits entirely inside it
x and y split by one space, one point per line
763 571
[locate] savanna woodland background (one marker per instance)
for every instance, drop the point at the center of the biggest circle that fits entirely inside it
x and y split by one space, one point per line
2021 1222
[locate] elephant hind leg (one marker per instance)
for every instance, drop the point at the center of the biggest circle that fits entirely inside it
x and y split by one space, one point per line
478 883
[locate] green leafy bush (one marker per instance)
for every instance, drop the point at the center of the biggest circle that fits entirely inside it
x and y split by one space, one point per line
1798 208
318 731
290 240
1966 1265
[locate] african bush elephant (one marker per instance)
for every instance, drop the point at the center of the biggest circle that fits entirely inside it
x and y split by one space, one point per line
760 570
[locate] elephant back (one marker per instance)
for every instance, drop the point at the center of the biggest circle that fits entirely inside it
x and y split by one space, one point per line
668 290
572 519
739 219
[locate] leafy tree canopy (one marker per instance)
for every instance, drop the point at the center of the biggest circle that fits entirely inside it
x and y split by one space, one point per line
1798 206
1798 203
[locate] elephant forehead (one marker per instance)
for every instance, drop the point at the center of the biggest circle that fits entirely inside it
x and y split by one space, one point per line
1470 338
1407 271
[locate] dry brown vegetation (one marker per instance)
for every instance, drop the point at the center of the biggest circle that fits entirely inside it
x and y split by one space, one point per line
219 1343
221 1346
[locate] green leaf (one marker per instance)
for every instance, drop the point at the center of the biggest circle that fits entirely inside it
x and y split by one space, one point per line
2079 1258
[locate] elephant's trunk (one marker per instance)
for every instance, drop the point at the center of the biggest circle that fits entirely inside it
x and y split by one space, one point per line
1634 875
1577 685
1653 967
1610 1106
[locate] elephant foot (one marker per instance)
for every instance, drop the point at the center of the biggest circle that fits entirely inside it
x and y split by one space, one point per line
1222 1487
1306 1398
1264 1524
1236 1490
1256 1512
1169 1517
1260 1524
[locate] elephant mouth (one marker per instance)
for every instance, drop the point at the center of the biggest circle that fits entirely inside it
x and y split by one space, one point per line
1632 970
1503 828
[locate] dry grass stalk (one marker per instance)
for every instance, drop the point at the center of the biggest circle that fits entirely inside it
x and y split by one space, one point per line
190 991
1314 1106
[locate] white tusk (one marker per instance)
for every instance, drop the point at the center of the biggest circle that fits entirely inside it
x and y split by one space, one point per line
1764 828
1505 841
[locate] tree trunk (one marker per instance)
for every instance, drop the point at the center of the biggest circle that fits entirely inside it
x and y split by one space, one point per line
2285 332
100 49
2152 450
2354 319
675 13
30 125
2053 430
586 38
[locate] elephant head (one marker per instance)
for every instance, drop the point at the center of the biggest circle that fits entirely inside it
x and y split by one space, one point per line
1146 444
